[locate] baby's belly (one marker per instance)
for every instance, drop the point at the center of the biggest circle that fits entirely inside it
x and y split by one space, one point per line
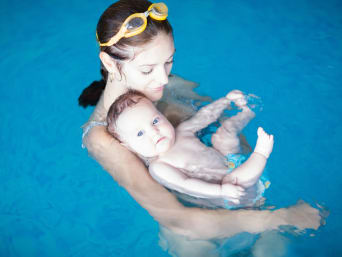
213 176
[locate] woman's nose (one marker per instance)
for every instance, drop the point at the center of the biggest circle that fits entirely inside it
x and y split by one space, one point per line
162 76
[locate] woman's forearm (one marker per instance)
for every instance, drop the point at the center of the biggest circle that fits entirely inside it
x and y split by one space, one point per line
220 223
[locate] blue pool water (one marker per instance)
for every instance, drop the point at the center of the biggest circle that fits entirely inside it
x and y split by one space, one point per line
56 201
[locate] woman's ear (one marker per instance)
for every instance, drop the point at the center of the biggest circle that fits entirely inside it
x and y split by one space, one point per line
108 62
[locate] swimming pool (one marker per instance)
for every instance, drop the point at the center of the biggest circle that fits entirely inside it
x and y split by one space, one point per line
56 201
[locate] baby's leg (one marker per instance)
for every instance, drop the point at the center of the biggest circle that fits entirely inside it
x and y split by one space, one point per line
226 139
248 173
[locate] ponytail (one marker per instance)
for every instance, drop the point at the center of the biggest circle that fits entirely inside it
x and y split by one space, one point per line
91 94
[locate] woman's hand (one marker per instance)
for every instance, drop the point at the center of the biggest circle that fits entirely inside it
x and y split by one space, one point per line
302 216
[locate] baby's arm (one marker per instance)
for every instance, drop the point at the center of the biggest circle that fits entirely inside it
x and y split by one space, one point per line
248 173
175 179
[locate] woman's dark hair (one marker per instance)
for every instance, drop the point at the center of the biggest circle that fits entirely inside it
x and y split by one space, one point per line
109 24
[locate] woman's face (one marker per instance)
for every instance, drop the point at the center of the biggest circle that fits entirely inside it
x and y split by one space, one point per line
148 71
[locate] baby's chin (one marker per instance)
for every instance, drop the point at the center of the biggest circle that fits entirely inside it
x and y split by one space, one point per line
164 146
160 150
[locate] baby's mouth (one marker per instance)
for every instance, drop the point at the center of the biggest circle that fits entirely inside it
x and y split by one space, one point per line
160 139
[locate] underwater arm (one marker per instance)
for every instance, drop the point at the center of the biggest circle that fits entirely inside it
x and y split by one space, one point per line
180 87
205 116
163 206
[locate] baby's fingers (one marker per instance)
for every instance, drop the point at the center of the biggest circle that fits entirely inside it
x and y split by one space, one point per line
232 191
235 201
240 190
237 194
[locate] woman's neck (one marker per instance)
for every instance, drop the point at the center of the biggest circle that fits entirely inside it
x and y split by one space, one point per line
112 91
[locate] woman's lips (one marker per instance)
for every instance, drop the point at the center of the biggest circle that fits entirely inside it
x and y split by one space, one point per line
157 89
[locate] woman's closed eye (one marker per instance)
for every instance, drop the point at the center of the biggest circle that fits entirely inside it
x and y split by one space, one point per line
169 62
150 70
147 71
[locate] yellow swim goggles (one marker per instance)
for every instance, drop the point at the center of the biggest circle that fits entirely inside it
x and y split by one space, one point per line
136 23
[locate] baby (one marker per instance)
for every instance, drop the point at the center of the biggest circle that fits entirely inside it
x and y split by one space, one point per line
180 161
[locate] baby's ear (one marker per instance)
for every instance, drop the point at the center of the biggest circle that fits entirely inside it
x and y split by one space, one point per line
123 144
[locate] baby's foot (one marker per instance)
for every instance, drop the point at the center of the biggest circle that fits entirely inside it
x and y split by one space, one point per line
237 97
264 144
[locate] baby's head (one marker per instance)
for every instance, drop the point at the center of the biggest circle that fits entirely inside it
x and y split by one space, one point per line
138 125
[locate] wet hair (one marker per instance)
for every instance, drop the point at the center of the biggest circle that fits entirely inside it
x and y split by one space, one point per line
128 99
109 24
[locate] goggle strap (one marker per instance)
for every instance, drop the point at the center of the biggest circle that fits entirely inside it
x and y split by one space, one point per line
115 38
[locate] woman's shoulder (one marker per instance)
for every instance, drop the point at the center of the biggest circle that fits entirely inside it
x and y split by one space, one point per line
96 136
95 129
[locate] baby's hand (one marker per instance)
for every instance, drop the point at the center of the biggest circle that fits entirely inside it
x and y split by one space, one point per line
237 97
232 192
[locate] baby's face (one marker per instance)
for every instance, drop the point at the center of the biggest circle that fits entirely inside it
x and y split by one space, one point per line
144 130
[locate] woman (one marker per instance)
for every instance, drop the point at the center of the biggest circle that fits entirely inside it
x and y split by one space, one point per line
139 57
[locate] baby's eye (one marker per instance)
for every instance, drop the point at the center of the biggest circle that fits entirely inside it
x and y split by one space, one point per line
140 133
155 121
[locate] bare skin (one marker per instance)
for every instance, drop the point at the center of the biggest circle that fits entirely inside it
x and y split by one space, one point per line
196 223
181 162
129 171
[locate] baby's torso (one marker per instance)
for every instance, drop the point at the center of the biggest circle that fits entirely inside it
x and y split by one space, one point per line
196 159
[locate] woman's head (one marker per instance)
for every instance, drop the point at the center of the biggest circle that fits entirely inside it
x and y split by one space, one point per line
119 59
141 62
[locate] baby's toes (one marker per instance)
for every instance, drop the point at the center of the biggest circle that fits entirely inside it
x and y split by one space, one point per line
271 138
234 94
261 132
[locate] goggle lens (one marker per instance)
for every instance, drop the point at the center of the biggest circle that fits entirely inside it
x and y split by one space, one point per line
158 11
135 24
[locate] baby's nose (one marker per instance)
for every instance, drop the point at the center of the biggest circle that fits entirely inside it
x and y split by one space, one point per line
155 132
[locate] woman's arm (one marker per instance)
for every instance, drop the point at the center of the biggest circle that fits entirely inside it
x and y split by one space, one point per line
195 223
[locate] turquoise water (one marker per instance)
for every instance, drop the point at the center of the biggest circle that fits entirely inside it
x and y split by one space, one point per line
56 201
